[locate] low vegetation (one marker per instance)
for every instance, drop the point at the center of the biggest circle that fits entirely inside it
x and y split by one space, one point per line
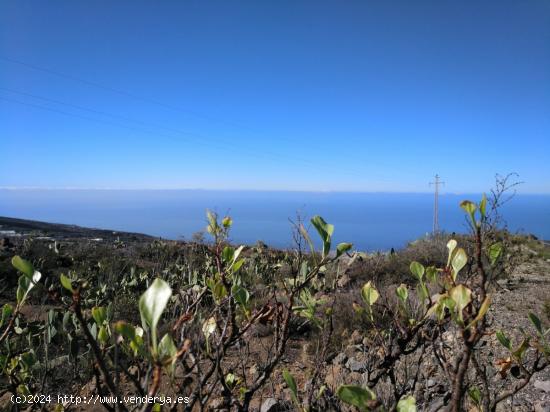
216 326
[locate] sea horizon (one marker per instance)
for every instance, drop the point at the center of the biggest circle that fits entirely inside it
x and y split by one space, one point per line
369 220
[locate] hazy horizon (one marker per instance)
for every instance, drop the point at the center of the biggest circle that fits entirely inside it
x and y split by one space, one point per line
369 220
441 191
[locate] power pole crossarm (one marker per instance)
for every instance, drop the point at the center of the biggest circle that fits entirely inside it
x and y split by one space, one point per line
436 183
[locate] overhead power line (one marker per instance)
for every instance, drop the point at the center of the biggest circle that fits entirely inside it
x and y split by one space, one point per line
193 137
122 92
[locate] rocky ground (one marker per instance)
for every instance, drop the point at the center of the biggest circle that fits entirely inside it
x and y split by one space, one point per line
527 290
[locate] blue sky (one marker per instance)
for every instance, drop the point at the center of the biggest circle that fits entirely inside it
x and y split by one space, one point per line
297 95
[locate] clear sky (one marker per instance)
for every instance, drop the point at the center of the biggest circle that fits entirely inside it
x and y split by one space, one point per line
298 95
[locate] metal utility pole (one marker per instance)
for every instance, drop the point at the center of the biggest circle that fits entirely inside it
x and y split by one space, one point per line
436 203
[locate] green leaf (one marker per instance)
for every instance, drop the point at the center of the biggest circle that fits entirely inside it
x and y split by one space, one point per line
343 248
237 265
417 269
227 254
66 283
459 261
99 314
151 305
167 351
504 341
25 284
495 250
470 208
227 222
483 206
291 383
7 311
356 396
23 266
402 293
475 394
369 294
325 231
462 296
451 246
406 404
218 290
212 227
125 330
241 295
431 273
103 335
520 350
230 379
422 291
535 321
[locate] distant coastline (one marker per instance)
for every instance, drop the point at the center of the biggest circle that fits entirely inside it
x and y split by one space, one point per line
371 221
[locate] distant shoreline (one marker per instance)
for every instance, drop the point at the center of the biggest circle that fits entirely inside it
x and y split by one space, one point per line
59 231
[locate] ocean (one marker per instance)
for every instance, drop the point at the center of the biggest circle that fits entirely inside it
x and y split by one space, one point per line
371 221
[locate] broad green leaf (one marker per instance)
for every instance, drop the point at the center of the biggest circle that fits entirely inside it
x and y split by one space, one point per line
417 269
356 396
127 331
227 254
431 273
343 248
325 231
402 292
99 314
407 404
151 305
25 284
470 208
167 350
462 296
451 246
23 266
66 283
241 295
495 250
369 293
504 341
237 265
218 290
535 321
103 335
459 261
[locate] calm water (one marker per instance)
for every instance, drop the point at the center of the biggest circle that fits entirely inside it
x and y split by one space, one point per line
370 220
